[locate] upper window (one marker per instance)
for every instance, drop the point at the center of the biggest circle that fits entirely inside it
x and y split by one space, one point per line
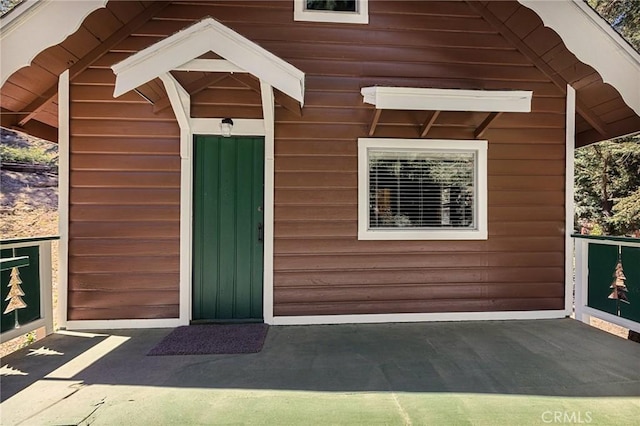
417 189
343 11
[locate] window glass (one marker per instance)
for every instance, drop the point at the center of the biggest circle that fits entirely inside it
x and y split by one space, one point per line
338 11
332 5
421 189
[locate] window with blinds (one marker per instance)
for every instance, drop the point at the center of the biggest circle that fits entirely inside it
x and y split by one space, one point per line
414 189
421 189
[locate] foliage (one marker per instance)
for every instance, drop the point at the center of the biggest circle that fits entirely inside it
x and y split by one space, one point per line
607 185
607 179
333 5
33 155
627 212
29 338
7 5
17 147
623 16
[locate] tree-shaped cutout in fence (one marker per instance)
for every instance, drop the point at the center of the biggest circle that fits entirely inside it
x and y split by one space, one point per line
15 295
618 286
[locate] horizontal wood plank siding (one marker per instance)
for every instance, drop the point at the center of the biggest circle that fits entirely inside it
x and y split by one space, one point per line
124 204
321 267
125 168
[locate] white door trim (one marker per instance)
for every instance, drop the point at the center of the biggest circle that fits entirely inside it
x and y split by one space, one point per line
211 126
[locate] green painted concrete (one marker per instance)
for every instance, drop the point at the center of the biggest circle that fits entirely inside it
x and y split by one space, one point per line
484 373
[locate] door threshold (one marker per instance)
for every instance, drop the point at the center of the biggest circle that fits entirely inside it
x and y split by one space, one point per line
227 321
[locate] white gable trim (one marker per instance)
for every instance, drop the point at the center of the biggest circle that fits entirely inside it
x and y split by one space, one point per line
209 65
412 98
202 37
36 25
594 42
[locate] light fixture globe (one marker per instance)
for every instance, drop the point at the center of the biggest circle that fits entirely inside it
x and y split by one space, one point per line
225 127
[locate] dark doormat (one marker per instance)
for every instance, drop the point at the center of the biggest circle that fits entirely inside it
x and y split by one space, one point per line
203 339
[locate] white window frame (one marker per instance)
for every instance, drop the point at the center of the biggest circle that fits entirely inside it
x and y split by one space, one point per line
478 147
360 16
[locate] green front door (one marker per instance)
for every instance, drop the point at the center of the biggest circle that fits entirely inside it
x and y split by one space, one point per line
228 182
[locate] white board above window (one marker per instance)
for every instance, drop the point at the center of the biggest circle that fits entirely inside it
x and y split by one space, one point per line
421 189
422 99
339 11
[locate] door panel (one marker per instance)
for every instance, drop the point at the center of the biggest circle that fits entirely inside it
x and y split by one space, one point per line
227 228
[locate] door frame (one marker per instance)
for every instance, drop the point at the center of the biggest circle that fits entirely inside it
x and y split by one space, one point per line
189 127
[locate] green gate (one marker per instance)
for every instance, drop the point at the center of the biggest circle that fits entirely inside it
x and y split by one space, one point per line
228 182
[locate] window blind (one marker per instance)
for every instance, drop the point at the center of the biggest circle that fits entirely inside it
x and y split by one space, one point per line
421 189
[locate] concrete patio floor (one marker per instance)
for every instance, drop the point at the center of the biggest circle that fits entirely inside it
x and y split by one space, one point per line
487 373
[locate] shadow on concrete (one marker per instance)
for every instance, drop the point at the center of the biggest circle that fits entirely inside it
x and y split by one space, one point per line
28 365
542 357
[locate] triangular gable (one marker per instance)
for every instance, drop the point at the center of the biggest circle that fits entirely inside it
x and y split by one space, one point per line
202 37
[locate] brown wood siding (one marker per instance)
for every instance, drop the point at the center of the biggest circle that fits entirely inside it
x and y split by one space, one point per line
125 168
124 204
321 267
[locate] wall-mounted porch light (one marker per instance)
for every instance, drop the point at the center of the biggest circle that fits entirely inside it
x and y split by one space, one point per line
225 127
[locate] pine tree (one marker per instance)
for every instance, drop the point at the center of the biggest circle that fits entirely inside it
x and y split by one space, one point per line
607 185
623 16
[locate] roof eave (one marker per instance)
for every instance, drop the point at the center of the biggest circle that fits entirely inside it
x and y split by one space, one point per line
594 42
36 25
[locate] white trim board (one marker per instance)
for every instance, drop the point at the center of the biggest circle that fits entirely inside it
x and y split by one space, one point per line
205 36
268 112
595 43
37 25
614 319
415 98
63 196
433 317
209 65
570 142
124 323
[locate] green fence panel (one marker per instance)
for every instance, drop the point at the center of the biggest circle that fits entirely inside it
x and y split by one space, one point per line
602 263
631 265
30 277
